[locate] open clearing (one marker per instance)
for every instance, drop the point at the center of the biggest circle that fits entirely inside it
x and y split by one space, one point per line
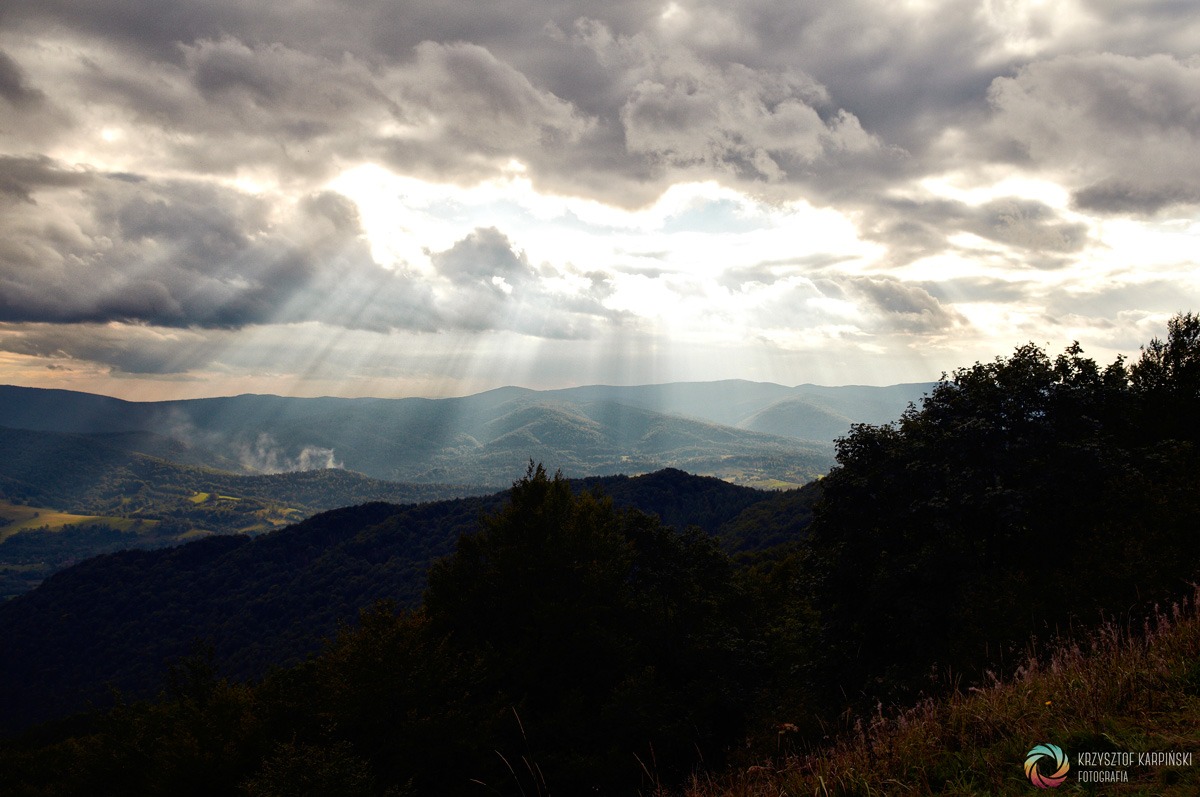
24 518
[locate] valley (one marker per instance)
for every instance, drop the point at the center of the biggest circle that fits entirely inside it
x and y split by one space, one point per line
252 464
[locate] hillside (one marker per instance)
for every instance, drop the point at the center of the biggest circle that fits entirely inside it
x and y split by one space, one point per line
1115 693
266 600
74 496
160 447
89 473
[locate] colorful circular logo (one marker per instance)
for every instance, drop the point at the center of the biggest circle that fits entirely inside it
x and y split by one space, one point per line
1054 757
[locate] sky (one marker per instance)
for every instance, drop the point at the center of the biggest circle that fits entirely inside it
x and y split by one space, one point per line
371 197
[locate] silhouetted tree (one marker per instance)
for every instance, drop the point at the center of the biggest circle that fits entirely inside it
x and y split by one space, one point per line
1167 377
609 635
1024 494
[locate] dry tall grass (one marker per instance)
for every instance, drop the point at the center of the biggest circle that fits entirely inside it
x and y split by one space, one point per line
1124 689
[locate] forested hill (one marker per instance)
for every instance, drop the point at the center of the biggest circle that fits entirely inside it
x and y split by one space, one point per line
271 599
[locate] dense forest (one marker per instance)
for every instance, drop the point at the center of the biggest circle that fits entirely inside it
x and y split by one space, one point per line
570 645
270 600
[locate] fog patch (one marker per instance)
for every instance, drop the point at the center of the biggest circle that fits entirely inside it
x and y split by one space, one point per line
265 455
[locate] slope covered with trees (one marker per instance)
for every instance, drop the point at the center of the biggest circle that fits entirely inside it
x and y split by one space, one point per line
268 600
569 646
1025 496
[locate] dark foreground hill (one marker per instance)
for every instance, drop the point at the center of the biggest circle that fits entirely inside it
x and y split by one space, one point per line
270 600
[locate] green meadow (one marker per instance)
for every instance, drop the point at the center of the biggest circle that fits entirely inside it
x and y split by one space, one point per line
17 518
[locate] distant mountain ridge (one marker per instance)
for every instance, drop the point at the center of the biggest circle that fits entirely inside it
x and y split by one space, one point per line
747 432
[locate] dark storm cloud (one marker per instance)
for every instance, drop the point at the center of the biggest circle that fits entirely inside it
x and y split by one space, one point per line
1123 196
1161 26
14 87
29 120
447 110
904 75
1124 131
273 89
226 106
477 105
190 255
494 287
846 103
20 177
187 254
904 307
833 100
597 103
482 256
381 31
125 349
678 112
918 228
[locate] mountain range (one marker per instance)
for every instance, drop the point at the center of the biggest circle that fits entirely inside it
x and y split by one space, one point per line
760 434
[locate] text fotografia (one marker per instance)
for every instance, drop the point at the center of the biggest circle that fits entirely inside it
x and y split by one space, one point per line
1113 767
1103 776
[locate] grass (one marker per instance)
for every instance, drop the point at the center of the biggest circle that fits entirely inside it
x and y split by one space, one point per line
1125 689
193 534
768 483
200 498
23 518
